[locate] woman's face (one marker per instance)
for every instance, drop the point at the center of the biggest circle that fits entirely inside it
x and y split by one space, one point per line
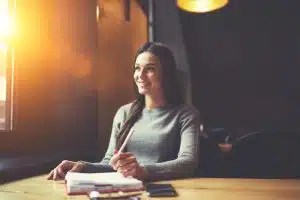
147 74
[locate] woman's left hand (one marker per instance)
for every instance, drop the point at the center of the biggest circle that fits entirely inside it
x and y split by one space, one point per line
127 164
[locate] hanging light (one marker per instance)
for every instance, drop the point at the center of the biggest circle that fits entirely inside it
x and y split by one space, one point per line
201 6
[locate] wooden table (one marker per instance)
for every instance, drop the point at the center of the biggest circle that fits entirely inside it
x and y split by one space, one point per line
38 188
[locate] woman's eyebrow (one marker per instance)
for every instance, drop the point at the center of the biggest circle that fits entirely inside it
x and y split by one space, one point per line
148 64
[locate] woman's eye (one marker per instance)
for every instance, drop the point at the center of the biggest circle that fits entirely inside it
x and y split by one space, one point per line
137 68
152 69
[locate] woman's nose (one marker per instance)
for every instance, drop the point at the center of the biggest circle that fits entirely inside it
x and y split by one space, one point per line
141 73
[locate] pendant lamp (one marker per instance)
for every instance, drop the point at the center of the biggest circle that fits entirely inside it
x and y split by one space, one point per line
201 6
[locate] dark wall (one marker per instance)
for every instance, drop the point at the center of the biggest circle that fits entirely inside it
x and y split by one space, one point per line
243 61
118 40
74 93
167 29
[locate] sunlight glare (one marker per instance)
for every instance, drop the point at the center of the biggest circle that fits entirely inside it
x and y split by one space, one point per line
6 28
2 88
3 51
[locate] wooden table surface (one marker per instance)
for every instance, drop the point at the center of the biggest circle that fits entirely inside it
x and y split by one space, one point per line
38 188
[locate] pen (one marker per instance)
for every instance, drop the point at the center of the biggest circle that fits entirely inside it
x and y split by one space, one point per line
125 141
95 195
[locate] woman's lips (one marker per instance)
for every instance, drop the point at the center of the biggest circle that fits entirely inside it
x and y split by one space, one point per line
143 84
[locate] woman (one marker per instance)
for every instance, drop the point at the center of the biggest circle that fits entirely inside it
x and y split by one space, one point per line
164 144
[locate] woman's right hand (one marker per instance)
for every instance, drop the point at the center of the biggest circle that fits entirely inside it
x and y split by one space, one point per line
59 172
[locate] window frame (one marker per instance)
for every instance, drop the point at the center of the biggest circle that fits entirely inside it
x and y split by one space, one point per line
9 72
9 76
8 103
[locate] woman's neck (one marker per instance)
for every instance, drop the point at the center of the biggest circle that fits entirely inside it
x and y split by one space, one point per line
151 102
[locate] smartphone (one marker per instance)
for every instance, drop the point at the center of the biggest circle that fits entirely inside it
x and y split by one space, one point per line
161 190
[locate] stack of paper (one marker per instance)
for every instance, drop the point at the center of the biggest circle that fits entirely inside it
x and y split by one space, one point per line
82 183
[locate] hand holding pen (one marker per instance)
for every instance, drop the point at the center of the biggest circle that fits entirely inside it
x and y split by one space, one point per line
126 163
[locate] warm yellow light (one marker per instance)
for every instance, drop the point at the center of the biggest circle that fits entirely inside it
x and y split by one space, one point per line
3 49
201 6
5 27
3 53
2 88
97 12
6 23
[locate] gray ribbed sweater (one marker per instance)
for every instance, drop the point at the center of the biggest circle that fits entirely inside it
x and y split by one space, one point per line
165 141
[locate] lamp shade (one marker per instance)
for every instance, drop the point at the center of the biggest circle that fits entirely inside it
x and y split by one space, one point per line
201 6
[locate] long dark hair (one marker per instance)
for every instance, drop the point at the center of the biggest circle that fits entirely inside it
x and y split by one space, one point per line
169 81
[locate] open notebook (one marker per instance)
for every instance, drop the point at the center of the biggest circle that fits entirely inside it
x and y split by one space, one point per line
82 183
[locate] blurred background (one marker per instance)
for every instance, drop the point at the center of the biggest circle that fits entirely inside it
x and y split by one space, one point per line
67 68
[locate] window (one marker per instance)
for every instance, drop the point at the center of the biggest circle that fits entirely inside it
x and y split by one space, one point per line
3 54
5 64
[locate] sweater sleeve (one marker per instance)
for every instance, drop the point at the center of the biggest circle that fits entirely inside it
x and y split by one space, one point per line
186 163
104 166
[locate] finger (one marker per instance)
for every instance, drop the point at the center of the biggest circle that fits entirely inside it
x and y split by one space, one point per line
117 157
56 175
66 165
131 172
63 168
128 167
125 161
60 172
120 156
125 155
113 160
76 168
50 175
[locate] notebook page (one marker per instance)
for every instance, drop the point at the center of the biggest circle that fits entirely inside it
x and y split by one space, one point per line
110 178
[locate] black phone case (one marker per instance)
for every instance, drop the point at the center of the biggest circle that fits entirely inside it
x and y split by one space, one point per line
161 190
